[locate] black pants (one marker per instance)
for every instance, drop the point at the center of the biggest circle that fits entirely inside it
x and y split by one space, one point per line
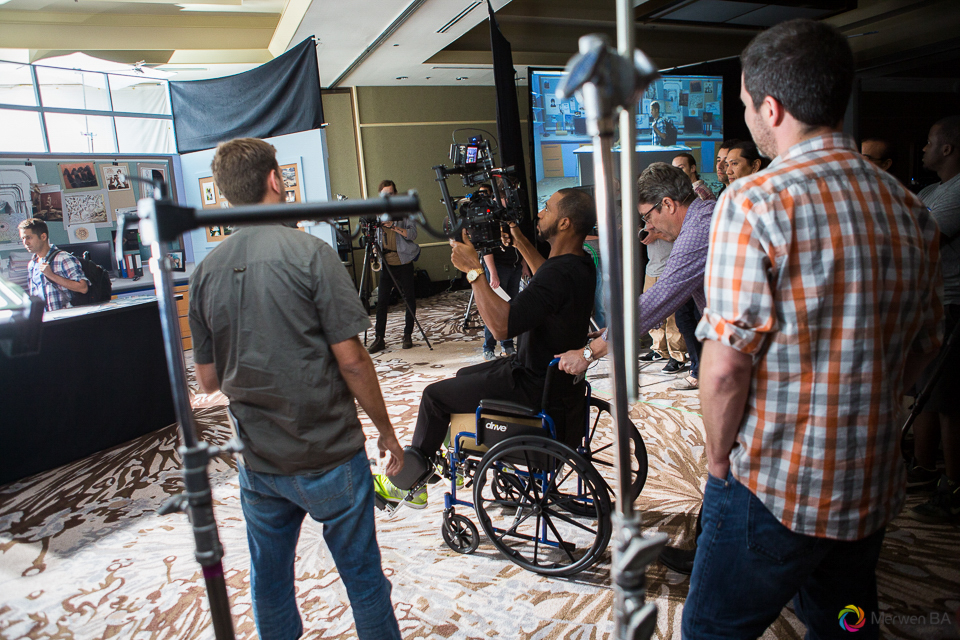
687 320
496 380
404 276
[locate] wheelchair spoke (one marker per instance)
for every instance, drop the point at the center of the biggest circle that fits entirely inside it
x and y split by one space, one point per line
556 533
569 520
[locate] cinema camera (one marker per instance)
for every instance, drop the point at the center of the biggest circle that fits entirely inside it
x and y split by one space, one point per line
484 217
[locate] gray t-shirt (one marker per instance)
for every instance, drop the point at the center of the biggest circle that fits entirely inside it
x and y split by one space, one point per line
658 252
265 306
943 200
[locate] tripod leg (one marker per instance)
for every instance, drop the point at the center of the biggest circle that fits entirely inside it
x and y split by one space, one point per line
466 316
410 310
364 296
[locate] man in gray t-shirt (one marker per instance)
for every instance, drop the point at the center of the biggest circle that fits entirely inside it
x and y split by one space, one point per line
668 342
275 320
940 420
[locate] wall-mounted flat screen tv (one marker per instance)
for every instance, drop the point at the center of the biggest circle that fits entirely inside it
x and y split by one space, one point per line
677 114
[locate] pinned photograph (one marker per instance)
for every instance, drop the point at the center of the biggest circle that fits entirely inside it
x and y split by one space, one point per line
79 176
115 176
209 193
176 257
289 173
152 172
291 196
82 233
47 202
84 208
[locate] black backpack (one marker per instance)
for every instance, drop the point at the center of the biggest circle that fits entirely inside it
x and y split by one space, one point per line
669 133
100 288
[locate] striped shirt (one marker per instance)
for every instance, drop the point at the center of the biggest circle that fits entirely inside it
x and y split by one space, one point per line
825 270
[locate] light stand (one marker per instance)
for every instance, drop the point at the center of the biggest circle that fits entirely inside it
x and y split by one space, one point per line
162 221
606 82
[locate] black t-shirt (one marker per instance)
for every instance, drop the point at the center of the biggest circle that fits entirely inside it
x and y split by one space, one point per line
552 314
505 256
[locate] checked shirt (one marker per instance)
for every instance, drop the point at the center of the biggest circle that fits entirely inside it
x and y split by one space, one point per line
826 271
64 265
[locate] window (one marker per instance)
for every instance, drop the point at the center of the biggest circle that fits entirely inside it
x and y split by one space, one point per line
80 133
21 131
69 89
145 135
16 85
83 111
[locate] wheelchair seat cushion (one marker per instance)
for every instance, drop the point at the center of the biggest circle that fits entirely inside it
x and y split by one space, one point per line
509 407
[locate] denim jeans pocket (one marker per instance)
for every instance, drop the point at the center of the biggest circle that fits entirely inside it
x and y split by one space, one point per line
768 537
329 494
248 483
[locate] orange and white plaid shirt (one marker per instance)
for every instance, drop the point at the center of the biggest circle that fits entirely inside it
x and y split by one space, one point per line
825 270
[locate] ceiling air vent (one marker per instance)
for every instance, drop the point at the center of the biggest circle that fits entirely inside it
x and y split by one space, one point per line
457 18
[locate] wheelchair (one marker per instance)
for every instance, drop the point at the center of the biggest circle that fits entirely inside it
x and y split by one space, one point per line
540 501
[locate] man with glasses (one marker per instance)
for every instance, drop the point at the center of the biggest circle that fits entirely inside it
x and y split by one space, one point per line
669 210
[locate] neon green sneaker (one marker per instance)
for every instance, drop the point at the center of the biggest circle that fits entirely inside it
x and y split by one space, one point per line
394 496
442 472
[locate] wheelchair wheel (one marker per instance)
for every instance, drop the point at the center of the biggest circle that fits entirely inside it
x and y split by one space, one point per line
603 456
459 533
506 485
533 523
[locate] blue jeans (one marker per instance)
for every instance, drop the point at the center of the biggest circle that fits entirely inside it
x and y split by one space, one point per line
342 499
748 566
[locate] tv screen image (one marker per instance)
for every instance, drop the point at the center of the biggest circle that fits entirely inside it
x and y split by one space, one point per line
676 114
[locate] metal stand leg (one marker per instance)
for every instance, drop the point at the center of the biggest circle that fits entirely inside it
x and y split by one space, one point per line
466 316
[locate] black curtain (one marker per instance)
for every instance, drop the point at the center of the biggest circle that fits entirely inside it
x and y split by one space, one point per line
508 113
278 97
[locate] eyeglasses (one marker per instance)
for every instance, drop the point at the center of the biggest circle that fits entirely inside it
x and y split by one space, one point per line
646 216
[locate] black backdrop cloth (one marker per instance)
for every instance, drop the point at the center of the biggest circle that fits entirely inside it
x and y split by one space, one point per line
278 97
508 113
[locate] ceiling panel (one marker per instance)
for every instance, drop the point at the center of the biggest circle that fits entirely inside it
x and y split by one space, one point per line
711 11
772 14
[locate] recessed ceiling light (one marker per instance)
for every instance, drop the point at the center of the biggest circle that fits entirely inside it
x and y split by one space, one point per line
428 77
463 78
396 45
401 77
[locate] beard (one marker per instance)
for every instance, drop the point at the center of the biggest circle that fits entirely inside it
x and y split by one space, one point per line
549 232
763 137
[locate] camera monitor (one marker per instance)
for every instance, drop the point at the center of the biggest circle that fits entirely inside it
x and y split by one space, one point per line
472 152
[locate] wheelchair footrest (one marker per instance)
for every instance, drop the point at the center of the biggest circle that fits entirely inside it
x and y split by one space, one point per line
508 407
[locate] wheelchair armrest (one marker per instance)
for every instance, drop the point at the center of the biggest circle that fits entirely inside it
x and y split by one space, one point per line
512 408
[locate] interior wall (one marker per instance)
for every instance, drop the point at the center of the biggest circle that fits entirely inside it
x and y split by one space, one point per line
404 132
342 143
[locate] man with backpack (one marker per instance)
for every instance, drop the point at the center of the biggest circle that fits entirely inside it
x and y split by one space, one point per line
663 133
55 275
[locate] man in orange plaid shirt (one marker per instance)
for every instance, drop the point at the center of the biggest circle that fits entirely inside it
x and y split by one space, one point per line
823 294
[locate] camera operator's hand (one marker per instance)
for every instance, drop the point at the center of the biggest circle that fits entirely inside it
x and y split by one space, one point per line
506 239
390 443
464 254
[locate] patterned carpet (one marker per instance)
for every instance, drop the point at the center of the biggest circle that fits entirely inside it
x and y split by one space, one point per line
84 554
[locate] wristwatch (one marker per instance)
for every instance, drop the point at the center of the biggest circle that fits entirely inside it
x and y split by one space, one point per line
473 274
588 353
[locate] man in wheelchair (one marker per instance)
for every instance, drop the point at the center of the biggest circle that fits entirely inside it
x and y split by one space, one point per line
551 315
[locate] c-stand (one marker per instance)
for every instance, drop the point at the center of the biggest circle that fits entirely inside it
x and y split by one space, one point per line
160 221
373 251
